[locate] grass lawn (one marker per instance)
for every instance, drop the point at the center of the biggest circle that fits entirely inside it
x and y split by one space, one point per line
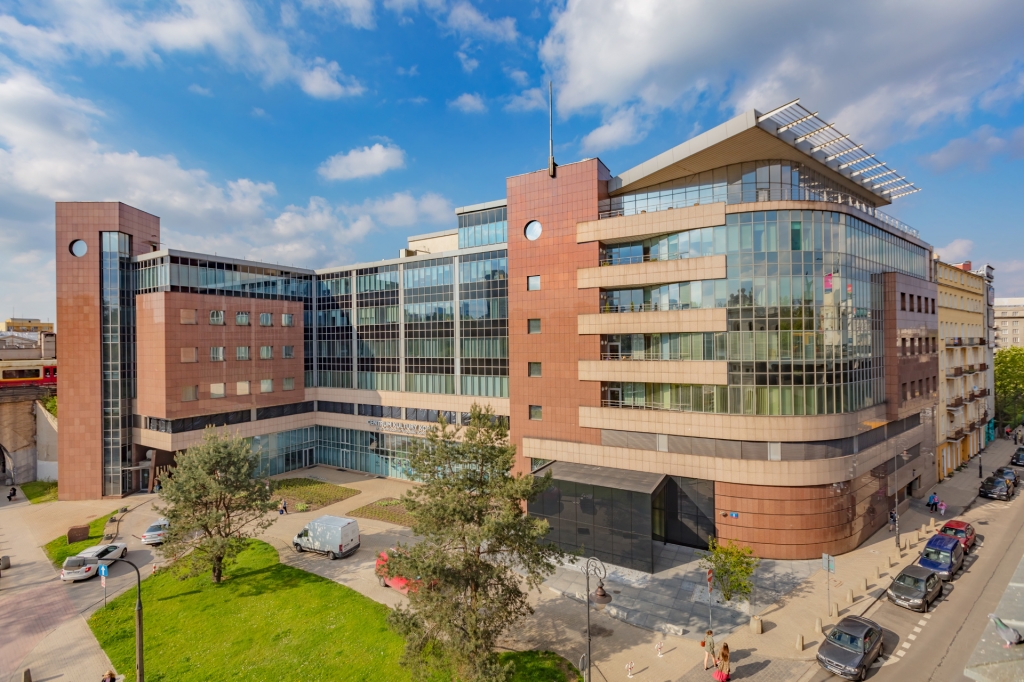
40 491
314 494
58 549
265 621
385 509
541 666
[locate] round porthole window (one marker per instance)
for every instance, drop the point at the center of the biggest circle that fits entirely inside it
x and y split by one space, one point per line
78 248
533 230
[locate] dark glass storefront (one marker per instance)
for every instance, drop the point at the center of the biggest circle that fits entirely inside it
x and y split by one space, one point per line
616 514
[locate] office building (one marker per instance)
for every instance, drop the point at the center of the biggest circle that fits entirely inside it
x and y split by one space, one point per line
730 339
966 378
1009 315
25 324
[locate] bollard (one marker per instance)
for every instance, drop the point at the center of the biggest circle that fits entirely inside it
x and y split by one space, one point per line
878 573
923 529
833 611
931 523
817 625
919 532
864 583
28 676
799 642
629 669
903 543
755 624
5 562
849 596
890 562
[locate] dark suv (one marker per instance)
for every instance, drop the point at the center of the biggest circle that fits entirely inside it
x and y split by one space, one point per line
851 647
1018 458
995 488
1012 479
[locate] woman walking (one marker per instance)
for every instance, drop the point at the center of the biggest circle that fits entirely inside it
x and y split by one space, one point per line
723 668
942 508
709 649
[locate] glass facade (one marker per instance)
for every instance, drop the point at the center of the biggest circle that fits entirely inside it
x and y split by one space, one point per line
803 296
378 328
382 454
429 317
483 228
117 347
285 450
334 337
483 323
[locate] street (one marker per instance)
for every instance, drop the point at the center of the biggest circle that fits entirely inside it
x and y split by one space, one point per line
937 645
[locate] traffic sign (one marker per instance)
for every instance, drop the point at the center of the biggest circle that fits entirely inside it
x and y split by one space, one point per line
103 581
710 575
103 570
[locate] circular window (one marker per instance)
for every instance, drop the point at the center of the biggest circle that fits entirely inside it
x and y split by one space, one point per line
533 230
78 248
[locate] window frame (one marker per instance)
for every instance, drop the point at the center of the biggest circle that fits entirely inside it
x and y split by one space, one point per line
239 315
266 319
217 318
536 413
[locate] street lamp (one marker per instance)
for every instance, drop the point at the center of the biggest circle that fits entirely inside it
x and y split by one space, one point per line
139 673
594 567
896 479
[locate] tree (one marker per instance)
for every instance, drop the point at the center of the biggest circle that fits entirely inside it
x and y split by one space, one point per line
477 553
215 501
732 567
1008 367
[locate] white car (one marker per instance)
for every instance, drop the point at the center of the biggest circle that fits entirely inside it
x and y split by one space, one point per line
154 535
87 563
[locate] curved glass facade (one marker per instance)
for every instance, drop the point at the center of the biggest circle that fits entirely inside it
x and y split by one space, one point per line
803 296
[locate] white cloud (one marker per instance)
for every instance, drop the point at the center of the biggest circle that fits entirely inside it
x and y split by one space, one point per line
533 99
977 149
469 103
956 251
99 29
411 71
468 63
895 69
259 113
468 21
48 153
518 76
364 162
624 127
197 89
358 13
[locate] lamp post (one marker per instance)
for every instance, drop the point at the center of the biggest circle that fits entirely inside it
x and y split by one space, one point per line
594 567
896 479
139 672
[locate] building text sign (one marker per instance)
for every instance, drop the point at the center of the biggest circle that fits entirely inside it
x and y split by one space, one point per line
398 427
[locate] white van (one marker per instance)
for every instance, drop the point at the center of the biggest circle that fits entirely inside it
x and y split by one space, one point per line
331 535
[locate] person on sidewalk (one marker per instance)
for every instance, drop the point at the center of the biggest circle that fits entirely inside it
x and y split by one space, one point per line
942 508
723 668
11 495
709 649
933 501
109 676
892 520
284 506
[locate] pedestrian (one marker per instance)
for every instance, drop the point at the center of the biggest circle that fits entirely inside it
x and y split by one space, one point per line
709 649
722 673
942 508
284 506
933 501
11 495
892 520
109 676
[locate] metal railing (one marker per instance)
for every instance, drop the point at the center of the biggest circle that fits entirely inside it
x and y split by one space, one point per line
954 341
983 367
954 372
969 369
955 403
644 307
644 356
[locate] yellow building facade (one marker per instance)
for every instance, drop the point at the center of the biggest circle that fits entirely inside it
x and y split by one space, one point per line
25 324
965 376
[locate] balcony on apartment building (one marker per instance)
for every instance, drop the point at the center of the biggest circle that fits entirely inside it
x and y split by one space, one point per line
954 341
957 434
970 369
983 367
955 404
954 372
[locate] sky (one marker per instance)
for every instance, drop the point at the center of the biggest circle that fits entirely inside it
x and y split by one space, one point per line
324 132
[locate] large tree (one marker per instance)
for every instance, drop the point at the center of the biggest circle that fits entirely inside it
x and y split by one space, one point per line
478 553
214 501
1009 374
732 568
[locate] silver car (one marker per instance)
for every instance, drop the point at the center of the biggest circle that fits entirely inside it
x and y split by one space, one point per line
87 563
154 535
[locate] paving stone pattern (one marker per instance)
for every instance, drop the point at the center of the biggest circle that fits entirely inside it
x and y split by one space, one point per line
748 665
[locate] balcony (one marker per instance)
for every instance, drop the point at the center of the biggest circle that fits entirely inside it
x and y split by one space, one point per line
983 392
983 367
974 341
954 341
971 397
970 369
957 435
954 372
955 403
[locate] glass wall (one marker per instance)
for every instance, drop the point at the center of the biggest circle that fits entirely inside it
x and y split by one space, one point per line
117 347
382 454
483 323
285 451
483 228
683 512
429 316
378 328
334 337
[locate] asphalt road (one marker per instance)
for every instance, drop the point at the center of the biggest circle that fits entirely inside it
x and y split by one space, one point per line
935 646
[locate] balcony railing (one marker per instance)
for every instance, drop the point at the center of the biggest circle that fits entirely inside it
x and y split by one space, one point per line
983 367
971 397
954 372
642 308
957 435
648 356
954 341
974 341
955 403
970 369
983 392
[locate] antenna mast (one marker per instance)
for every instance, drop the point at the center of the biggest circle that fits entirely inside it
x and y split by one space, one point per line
551 131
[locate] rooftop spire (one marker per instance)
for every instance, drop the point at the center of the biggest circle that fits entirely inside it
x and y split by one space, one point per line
551 131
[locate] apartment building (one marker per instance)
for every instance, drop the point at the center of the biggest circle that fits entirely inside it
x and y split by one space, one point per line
1009 316
963 414
25 324
731 339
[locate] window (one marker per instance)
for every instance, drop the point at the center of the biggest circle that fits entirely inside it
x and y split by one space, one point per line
217 317
535 413
266 319
906 395
190 355
242 388
241 352
188 316
266 385
533 326
534 369
918 304
216 353
266 352
287 320
533 283
216 390
288 384
288 352
189 393
903 301
242 319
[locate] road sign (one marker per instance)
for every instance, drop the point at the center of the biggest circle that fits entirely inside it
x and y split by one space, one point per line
710 576
103 570
828 563
103 580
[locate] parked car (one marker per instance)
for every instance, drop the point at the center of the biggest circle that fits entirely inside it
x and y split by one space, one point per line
942 554
334 536
851 647
915 588
1018 458
154 535
1012 479
962 531
995 488
86 564
396 582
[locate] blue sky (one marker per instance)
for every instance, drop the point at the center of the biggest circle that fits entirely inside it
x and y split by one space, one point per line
323 132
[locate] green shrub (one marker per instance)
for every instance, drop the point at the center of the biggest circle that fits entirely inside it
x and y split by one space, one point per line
310 492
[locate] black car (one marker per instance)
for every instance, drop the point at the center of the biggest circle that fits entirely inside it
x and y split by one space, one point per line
1018 458
851 647
915 588
1009 474
995 488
